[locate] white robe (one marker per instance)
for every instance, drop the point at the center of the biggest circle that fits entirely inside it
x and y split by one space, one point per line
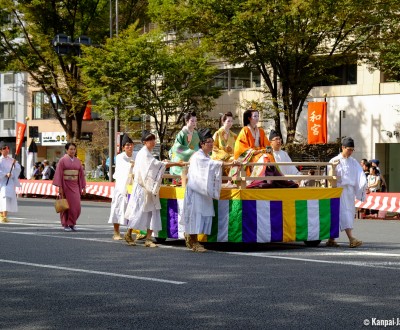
143 210
204 185
8 197
123 167
351 178
283 157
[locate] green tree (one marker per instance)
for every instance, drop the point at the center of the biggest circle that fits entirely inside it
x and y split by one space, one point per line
292 43
383 52
143 74
27 30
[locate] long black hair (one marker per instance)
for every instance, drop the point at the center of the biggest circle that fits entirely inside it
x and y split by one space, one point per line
224 117
247 115
189 115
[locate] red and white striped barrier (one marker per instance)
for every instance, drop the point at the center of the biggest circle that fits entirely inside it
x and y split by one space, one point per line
389 202
104 189
45 187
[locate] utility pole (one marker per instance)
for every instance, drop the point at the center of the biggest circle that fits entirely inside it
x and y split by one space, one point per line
113 125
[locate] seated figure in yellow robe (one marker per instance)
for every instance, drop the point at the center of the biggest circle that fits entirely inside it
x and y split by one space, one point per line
224 144
224 140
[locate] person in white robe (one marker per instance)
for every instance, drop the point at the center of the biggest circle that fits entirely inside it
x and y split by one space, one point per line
143 209
9 173
351 177
204 185
281 156
123 168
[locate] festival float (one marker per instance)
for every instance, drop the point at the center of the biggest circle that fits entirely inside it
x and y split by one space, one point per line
308 214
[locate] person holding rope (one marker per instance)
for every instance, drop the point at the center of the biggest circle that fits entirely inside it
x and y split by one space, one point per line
9 173
143 209
204 185
352 179
123 174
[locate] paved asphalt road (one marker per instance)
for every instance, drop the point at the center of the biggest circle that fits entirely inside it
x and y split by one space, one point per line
50 279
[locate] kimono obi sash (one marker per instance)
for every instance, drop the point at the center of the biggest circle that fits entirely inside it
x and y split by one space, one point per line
71 175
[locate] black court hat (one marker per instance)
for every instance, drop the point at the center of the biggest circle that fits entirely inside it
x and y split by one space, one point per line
126 139
204 134
273 134
348 142
147 135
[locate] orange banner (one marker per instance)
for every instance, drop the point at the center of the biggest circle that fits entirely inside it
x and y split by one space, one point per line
317 128
20 136
87 115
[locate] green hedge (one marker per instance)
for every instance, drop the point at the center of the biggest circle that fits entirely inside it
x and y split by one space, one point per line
303 152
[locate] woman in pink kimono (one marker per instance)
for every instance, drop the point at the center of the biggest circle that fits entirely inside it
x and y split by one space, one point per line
71 183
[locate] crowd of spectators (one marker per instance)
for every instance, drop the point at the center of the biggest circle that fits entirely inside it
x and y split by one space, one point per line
375 183
43 170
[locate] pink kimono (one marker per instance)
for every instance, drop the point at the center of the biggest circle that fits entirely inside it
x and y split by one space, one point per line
72 183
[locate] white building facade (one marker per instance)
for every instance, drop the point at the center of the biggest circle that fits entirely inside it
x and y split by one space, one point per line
364 107
13 106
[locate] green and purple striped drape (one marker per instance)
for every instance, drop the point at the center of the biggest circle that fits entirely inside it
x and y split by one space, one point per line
261 215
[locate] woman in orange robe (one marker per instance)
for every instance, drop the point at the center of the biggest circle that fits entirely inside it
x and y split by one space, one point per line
250 145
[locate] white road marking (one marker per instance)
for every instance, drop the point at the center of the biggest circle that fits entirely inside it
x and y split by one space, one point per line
62 237
153 279
70 235
57 225
349 252
345 263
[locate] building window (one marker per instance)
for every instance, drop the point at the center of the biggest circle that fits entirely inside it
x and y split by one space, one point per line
9 124
7 115
221 80
345 74
7 110
9 78
255 78
239 78
41 106
388 77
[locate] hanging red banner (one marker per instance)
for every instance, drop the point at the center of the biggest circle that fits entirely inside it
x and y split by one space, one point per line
87 115
20 133
317 123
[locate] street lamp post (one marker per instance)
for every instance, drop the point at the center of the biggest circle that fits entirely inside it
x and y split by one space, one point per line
342 114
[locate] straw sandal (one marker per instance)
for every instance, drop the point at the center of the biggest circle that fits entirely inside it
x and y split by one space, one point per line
117 236
140 236
149 243
188 241
129 239
354 242
197 247
332 243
